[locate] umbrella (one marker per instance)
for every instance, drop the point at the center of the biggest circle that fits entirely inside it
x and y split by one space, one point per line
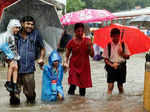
47 23
141 20
86 16
5 3
136 40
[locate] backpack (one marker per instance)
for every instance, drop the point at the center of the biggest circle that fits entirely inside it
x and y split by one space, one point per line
109 48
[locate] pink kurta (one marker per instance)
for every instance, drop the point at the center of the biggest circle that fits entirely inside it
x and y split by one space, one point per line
79 72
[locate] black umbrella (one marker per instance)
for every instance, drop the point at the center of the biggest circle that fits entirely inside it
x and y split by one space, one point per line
44 13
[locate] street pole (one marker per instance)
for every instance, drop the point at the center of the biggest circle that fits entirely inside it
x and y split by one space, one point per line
147 83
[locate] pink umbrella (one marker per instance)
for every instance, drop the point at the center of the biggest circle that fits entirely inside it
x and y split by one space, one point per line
86 16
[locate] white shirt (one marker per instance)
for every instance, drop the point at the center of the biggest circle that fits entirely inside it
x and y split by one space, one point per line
115 57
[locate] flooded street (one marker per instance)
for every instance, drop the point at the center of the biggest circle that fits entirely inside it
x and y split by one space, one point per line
95 99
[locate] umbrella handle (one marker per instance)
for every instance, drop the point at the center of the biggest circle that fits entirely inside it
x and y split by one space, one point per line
122 34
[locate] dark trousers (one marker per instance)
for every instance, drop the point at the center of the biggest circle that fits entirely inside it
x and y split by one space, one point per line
28 83
72 89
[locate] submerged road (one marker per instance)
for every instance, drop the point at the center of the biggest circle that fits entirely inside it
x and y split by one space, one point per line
95 99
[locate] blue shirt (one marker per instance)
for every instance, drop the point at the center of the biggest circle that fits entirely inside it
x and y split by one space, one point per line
29 50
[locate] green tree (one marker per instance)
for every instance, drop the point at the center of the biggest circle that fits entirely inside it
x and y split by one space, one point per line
143 3
110 5
116 5
89 4
74 5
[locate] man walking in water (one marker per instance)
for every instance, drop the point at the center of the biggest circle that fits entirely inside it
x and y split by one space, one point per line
30 47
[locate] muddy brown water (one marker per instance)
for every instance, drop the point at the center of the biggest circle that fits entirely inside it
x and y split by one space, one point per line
95 100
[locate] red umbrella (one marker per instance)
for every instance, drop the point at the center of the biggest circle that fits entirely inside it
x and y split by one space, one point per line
5 3
136 40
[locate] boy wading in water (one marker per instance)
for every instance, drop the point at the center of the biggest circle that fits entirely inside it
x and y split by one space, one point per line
115 55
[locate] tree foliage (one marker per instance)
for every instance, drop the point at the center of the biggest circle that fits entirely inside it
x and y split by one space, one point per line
74 5
111 5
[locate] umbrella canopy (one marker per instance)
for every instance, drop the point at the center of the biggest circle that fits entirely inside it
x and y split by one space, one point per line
47 23
5 3
86 16
141 20
136 40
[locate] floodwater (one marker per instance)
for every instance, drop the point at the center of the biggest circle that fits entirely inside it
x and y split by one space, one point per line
95 100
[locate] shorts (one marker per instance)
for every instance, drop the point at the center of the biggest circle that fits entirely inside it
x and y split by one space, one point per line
118 74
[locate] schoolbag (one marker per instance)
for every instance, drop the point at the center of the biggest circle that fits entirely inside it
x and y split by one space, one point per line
109 48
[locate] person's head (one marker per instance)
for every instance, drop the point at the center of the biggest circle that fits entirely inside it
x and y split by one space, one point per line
79 30
115 35
54 59
14 26
55 63
28 23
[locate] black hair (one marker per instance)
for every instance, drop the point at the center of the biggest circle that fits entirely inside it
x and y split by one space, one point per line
27 18
77 25
114 31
